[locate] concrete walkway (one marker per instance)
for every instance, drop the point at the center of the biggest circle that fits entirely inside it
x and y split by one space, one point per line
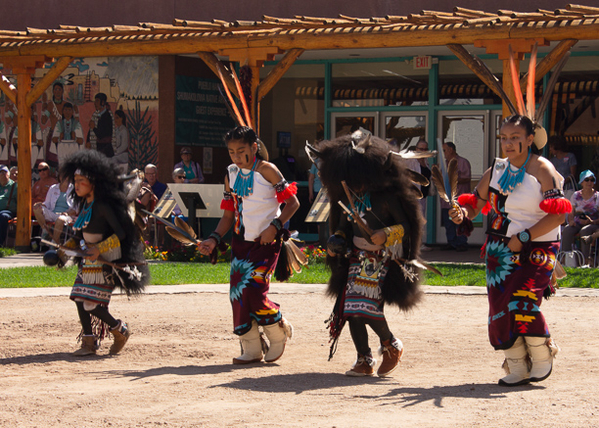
470 256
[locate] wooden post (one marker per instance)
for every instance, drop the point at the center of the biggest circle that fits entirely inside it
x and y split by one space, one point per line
254 58
23 236
24 67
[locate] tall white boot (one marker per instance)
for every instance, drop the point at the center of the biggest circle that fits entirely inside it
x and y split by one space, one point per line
541 351
277 335
516 365
251 347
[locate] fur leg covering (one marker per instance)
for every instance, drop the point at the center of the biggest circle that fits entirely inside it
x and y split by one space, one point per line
251 346
277 335
516 365
541 351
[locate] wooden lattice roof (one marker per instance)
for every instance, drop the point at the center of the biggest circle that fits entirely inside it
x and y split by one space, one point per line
428 28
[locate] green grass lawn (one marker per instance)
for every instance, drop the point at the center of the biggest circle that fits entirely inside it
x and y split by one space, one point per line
169 273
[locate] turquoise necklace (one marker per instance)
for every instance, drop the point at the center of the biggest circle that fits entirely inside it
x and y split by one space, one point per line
512 179
84 217
363 204
244 183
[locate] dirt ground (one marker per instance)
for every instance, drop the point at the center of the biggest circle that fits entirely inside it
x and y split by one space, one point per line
176 370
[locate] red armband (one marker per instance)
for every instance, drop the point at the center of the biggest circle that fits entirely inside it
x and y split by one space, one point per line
472 200
227 205
468 199
287 192
556 206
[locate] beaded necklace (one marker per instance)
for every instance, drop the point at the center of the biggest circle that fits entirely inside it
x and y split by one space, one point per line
363 204
84 217
244 183
512 179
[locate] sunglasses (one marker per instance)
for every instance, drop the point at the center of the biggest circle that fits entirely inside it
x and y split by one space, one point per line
589 179
43 169
181 176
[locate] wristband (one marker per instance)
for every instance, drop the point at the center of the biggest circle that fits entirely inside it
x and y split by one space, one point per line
524 236
277 223
216 237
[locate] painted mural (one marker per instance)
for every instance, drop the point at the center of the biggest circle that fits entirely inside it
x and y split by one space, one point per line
106 104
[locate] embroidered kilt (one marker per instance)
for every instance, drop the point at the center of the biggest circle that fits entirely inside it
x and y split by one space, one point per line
252 266
515 286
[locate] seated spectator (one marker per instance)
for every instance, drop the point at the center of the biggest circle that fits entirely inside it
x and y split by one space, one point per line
8 201
40 189
193 172
584 219
178 178
14 173
58 208
151 175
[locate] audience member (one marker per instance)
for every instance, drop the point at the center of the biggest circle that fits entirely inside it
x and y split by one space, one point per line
564 161
193 172
8 201
40 188
58 208
421 167
455 241
14 173
584 218
151 173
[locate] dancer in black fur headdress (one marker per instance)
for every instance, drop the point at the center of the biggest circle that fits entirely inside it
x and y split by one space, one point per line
105 232
373 263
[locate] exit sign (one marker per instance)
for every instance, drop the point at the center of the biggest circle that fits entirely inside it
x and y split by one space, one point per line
423 62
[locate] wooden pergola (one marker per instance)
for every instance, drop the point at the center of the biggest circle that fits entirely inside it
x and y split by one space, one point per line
254 42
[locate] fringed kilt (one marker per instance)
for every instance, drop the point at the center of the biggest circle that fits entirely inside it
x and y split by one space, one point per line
252 266
363 294
93 283
516 283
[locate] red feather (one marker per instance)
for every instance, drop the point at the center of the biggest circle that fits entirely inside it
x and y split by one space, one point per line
516 83
287 193
227 205
556 206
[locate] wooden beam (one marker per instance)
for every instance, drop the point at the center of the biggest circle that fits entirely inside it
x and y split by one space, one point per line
501 47
276 73
48 79
23 235
213 63
547 63
8 88
254 57
309 39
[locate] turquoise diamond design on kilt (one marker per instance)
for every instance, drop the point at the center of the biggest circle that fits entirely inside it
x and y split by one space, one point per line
241 274
499 263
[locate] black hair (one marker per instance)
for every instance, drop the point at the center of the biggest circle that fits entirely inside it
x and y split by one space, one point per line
120 113
67 105
102 97
520 120
247 135
558 142
450 145
109 189
60 85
